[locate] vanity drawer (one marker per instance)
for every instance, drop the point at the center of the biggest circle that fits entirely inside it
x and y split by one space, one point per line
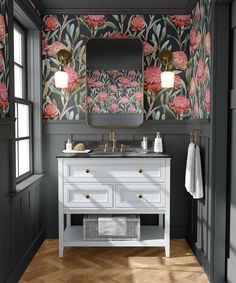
120 169
140 195
88 195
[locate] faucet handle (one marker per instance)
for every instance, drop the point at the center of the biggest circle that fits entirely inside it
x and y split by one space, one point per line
106 147
122 148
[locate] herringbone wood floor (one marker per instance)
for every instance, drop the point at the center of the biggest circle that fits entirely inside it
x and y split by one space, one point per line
114 265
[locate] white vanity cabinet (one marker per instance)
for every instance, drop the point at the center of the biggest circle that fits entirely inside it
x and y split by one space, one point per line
114 186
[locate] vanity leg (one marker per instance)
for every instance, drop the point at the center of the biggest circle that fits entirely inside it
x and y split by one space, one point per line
61 232
160 220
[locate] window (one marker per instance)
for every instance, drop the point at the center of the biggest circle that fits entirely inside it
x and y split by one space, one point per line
23 107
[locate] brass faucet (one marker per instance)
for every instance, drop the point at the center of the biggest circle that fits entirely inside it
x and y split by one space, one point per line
113 140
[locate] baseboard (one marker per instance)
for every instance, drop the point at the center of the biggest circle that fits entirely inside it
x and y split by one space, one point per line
24 262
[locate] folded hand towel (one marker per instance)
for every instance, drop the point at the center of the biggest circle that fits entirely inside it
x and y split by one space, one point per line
198 191
112 226
190 169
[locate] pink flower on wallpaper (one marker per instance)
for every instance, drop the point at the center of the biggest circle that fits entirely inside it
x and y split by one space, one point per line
98 84
96 73
200 71
197 12
44 46
180 105
90 81
117 35
55 47
114 72
208 43
3 104
2 30
113 88
207 100
95 20
180 60
181 20
152 78
50 111
112 97
89 100
96 109
177 83
124 100
196 110
193 36
51 23
132 73
137 23
73 75
134 84
138 96
114 107
132 109
3 91
198 40
102 96
124 81
206 72
1 61
192 86
147 48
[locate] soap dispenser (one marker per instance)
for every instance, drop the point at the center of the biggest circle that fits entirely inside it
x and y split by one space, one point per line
158 147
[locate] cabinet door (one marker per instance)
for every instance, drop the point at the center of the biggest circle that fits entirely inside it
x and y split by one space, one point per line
88 195
140 195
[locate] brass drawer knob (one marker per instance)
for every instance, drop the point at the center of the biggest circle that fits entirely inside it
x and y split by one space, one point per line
140 196
87 171
87 196
140 171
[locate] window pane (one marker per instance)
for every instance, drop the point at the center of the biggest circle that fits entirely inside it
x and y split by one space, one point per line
17 47
18 82
17 169
16 116
23 157
23 120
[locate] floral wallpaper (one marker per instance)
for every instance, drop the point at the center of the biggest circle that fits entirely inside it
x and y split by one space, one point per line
200 61
187 36
4 60
114 91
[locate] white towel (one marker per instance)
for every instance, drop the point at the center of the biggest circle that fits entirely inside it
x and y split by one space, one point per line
198 187
190 169
112 226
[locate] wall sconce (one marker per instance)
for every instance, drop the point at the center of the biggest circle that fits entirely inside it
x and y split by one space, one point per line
167 77
61 77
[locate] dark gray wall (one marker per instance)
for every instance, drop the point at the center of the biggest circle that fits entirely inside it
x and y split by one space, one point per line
232 214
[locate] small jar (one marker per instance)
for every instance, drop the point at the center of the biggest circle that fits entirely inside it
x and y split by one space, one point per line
69 144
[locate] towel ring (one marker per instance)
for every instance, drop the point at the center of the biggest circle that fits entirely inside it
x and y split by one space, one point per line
194 136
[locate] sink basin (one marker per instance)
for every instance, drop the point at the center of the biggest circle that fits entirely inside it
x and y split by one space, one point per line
128 152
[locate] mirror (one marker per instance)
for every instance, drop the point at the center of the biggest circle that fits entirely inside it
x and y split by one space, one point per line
114 74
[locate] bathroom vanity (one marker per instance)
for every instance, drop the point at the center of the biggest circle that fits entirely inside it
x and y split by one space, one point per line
114 184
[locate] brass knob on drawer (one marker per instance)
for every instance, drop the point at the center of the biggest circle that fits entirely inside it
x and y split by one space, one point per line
87 171
87 196
140 170
140 196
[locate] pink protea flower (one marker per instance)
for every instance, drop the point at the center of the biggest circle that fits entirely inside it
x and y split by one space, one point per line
96 109
112 97
196 110
50 111
137 23
138 96
124 81
181 20
124 100
3 91
117 35
197 12
180 105
134 84
95 20
73 75
89 100
44 46
96 73
177 82
208 43
1 61
54 48
98 84
147 48
114 107
113 88
114 72
206 72
200 71
102 96
51 23
90 81
198 40
207 100
193 36
132 73
152 78
192 86
4 105
180 60
131 109
2 29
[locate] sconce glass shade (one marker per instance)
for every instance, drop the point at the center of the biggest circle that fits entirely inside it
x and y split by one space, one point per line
167 79
61 79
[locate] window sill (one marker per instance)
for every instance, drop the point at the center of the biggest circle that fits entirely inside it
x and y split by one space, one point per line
28 182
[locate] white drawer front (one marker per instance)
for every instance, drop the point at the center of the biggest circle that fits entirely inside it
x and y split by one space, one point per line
119 169
140 195
88 195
